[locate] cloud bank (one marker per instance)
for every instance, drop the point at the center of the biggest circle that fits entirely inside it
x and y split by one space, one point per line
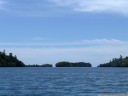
99 42
52 7
110 6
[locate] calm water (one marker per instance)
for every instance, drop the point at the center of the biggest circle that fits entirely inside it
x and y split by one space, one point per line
62 81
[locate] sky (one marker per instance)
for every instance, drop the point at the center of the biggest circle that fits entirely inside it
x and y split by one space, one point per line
50 31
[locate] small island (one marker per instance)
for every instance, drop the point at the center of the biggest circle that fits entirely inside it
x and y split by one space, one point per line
10 60
36 65
46 65
116 62
71 64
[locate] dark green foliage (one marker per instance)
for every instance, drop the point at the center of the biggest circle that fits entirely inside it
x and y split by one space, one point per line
34 65
46 65
9 60
63 64
116 62
70 64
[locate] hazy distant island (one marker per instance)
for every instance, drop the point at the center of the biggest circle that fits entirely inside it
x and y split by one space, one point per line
36 65
116 62
71 64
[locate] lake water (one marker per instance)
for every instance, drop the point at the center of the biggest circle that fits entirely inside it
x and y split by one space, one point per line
62 81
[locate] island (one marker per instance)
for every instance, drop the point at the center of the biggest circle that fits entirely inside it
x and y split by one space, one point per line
71 64
10 60
46 65
116 62
36 65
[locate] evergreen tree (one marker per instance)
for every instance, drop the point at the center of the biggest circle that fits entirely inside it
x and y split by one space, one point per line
116 62
9 60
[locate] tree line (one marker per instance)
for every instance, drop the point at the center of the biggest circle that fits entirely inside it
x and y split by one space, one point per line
116 62
71 64
63 64
36 65
8 60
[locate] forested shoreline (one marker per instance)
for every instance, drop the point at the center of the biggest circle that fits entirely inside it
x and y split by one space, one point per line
116 62
8 60
72 64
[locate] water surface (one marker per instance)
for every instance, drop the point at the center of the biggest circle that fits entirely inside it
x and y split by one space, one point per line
62 81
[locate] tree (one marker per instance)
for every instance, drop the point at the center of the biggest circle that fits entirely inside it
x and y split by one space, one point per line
9 60
116 62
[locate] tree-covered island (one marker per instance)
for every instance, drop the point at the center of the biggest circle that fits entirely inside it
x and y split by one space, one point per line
10 60
71 64
36 65
116 62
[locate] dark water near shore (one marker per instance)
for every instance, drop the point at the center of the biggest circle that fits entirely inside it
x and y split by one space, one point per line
62 81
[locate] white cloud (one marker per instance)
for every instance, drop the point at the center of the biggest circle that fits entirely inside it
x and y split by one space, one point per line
118 6
98 51
83 42
105 41
53 7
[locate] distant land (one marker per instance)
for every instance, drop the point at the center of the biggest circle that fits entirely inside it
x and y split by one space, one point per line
12 61
116 62
71 64
36 65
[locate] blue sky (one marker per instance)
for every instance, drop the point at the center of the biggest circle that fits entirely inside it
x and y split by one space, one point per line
48 31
